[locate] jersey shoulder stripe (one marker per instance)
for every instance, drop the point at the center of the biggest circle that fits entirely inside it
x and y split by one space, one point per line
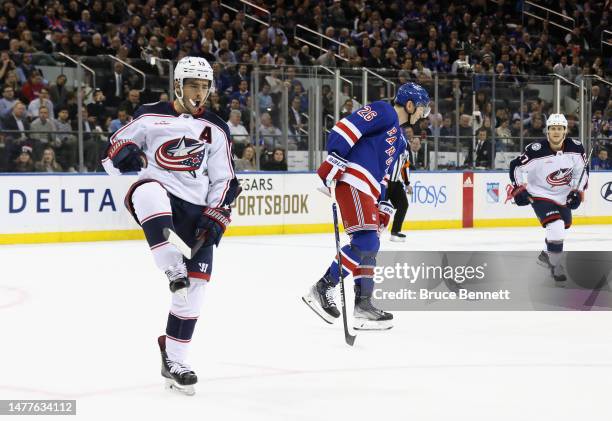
161 108
538 149
217 121
573 146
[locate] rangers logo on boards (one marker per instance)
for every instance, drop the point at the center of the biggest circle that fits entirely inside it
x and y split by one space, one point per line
493 192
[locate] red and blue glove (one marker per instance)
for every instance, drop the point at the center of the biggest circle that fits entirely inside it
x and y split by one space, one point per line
332 169
385 213
212 225
126 156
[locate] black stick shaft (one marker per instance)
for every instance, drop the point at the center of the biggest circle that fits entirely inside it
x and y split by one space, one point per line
350 339
586 165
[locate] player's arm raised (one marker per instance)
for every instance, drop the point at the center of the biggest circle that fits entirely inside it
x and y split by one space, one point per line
124 153
347 132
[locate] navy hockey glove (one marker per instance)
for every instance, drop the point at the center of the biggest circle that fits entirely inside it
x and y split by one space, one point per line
332 169
212 225
574 199
127 156
521 196
385 213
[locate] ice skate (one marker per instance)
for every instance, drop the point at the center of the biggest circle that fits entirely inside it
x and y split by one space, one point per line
178 376
544 260
320 299
179 280
368 317
557 272
397 237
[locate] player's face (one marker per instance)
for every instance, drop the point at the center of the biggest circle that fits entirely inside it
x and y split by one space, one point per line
556 135
416 113
195 92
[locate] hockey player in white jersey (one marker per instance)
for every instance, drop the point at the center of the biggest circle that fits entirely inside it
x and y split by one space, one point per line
186 183
548 176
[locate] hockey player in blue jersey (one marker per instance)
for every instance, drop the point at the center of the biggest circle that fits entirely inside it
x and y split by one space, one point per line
186 183
362 147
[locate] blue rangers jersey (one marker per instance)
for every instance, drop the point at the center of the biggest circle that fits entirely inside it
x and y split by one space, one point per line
189 155
371 140
550 175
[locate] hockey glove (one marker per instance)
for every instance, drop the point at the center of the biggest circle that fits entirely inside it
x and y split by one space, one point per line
408 188
127 156
332 169
212 225
385 213
520 195
574 199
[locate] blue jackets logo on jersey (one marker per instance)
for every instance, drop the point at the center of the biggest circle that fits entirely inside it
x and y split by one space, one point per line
182 154
560 177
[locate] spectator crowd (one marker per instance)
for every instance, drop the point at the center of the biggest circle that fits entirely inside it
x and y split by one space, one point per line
468 45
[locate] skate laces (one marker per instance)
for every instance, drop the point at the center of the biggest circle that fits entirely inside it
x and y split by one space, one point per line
178 368
366 305
329 295
176 271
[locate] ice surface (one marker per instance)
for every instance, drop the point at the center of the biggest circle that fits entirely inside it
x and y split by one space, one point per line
80 321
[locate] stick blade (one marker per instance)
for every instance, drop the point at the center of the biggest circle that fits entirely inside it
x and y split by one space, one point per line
350 339
325 191
177 242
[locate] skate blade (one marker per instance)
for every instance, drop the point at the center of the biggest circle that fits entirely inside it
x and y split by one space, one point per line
185 390
314 306
363 324
395 239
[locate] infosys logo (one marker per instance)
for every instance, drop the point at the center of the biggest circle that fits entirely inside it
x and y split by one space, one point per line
606 191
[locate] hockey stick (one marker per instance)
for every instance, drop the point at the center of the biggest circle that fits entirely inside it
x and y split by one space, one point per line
178 242
350 339
324 191
586 165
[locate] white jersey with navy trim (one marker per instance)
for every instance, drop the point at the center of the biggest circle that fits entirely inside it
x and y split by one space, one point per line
550 174
189 155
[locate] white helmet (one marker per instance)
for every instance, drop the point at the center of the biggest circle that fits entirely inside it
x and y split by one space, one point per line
556 120
192 68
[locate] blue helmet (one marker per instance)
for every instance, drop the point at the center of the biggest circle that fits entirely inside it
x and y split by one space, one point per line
413 92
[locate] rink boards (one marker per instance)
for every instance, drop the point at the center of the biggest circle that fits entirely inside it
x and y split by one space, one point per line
76 207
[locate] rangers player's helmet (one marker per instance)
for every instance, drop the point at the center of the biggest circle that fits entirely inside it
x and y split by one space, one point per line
413 92
192 68
556 120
